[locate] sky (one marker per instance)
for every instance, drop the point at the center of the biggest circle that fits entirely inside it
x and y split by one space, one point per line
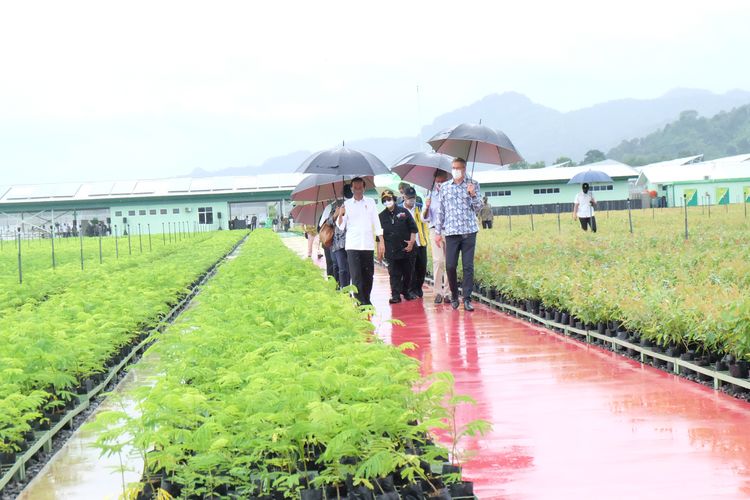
115 90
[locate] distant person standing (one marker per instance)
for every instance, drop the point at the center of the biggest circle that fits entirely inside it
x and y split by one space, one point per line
457 224
359 217
254 222
583 208
431 206
485 214
419 258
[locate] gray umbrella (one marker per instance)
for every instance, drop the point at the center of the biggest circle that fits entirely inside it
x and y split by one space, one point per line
420 168
319 187
476 143
590 176
343 161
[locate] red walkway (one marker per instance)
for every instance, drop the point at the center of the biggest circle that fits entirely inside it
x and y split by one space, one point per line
572 421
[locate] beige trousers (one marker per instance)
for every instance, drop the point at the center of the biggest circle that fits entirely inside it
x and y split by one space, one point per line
438 266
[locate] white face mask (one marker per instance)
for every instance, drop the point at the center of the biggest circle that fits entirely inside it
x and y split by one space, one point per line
388 204
458 173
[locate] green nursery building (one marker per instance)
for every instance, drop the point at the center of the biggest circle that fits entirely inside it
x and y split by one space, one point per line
193 204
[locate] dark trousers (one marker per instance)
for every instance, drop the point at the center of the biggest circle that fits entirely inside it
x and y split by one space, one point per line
361 270
420 270
465 244
487 224
330 265
339 256
399 270
588 221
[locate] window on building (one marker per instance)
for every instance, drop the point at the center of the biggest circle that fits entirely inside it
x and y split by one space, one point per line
205 215
141 212
152 211
545 191
608 187
118 213
175 210
163 211
131 212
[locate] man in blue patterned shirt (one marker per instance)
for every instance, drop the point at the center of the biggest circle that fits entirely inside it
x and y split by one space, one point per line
456 222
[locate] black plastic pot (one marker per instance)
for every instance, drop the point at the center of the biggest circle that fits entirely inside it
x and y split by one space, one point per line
463 489
601 328
412 492
564 318
720 366
7 458
441 494
451 469
739 369
316 494
389 495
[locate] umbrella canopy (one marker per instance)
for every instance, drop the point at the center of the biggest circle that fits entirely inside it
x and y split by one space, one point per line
476 143
308 214
343 161
319 187
420 168
590 176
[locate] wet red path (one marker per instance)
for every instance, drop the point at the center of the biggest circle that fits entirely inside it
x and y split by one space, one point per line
572 421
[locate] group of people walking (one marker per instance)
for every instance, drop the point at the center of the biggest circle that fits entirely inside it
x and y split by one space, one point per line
401 232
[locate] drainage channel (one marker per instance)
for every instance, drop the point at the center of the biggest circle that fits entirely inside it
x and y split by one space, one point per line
48 465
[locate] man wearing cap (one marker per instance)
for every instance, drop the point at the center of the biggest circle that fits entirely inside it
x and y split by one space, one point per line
583 208
419 259
456 222
359 218
399 235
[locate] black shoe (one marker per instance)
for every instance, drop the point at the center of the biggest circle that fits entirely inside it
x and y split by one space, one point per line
410 296
419 293
394 300
468 306
438 298
454 303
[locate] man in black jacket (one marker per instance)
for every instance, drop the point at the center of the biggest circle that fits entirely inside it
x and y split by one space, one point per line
399 235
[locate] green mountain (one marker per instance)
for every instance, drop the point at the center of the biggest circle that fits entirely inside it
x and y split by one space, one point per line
724 134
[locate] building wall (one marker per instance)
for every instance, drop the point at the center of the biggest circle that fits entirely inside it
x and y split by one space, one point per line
65 211
736 191
522 194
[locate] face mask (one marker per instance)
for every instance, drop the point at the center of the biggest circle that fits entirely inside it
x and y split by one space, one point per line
458 173
388 204
585 190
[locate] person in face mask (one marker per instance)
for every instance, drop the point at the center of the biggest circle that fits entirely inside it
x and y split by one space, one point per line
438 250
456 222
419 261
399 235
583 208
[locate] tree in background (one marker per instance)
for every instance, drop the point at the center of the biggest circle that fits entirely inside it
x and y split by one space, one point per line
564 159
593 156
523 165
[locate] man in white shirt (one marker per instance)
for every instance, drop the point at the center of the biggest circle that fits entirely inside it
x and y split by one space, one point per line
360 219
583 208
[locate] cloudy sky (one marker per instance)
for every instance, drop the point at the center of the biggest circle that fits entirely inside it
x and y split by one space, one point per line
105 90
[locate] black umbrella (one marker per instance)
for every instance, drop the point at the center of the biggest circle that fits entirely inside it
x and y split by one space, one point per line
476 143
319 187
420 168
343 161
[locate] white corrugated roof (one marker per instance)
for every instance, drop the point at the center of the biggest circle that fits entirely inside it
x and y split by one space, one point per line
147 188
612 168
707 170
668 163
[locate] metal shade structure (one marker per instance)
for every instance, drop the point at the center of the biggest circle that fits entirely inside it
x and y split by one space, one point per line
343 161
420 168
476 143
308 214
590 176
320 187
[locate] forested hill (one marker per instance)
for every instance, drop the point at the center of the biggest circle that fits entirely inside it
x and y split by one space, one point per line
725 134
